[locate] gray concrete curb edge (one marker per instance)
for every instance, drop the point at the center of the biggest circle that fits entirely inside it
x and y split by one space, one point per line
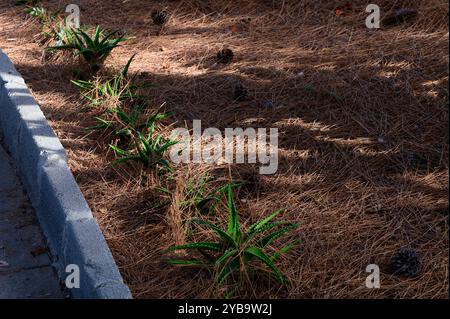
72 232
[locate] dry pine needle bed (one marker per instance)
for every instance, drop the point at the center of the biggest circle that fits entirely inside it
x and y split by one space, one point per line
363 122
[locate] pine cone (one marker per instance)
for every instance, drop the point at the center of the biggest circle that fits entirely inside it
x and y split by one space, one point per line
240 92
225 56
160 17
406 262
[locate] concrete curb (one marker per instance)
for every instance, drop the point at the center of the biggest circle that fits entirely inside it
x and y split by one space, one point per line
72 232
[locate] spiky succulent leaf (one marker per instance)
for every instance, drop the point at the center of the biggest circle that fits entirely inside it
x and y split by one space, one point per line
255 227
261 255
285 249
186 262
266 240
220 233
200 245
233 222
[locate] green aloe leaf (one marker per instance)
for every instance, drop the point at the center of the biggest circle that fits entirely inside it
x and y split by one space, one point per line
222 234
118 150
109 35
87 39
255 227
85 85
233 222
285 249
127 66
97 35
226 270
103 124
251 234
259 254
145 143
126 159
275 235
224 259
187 262
200 245
167 145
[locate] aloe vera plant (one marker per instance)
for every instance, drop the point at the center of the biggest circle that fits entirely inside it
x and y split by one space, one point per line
118 87
93 49
149 149
236 249
127 124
